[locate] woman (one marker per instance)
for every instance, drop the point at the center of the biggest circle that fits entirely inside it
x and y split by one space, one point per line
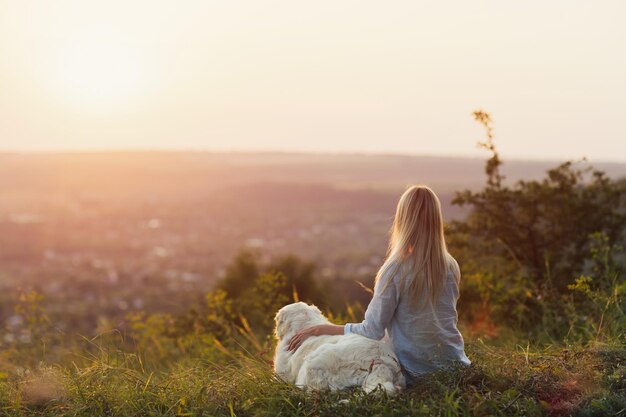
415 294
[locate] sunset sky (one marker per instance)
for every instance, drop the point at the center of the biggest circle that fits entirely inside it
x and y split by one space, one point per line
322 76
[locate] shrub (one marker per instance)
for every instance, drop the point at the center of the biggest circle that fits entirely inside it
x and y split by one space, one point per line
522 244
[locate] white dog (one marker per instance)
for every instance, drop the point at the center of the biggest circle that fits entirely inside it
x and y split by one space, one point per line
332 362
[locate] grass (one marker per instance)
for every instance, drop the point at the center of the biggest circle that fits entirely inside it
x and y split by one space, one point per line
502 381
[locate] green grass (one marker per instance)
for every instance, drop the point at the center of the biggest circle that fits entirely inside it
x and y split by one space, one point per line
503 381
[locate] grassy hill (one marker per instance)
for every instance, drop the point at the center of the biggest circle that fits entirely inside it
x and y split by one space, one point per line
510 380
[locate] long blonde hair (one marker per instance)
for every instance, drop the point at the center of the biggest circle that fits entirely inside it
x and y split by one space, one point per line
417 244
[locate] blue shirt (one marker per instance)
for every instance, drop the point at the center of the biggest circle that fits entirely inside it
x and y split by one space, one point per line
424 335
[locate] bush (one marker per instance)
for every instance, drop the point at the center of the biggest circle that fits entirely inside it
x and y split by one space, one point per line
522 245
256 291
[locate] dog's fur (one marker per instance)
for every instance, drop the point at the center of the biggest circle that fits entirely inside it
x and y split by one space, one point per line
332 362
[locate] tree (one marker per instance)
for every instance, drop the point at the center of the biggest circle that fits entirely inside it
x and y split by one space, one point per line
240 274
542 226
300 277
257 291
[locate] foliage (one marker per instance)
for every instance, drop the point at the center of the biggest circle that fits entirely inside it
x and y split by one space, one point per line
492 167
215 316
239 274
544 225
264 299
32 338
523 244
256 291
599 299
300 279
299 275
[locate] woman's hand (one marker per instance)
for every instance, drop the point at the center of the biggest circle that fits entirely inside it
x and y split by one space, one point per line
319 330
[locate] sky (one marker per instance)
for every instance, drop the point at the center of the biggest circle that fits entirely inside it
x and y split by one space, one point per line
317 76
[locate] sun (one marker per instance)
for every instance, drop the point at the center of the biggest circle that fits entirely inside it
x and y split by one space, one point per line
97 69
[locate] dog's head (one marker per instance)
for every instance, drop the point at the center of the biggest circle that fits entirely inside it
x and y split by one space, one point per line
296 316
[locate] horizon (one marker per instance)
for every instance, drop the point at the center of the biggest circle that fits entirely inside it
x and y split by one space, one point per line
271 152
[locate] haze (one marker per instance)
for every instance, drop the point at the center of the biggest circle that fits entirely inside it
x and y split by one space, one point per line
343 76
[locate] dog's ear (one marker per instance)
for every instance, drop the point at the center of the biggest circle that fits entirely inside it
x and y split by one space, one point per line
313 312
282 326
314 308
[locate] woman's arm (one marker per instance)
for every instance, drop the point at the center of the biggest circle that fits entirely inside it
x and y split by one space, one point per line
380 310
377 317
319 330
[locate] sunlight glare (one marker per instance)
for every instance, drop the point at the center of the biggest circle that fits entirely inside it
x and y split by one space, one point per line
98 68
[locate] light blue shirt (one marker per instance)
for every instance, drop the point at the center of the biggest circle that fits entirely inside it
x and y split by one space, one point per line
424 336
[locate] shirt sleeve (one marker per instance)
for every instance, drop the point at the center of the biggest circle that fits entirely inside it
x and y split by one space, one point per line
380 310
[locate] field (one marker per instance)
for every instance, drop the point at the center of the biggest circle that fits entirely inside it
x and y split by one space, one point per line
514 381
147 284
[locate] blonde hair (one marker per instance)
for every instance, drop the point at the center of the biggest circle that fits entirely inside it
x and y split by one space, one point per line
417 243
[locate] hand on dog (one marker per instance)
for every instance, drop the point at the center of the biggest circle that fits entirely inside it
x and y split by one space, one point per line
319 330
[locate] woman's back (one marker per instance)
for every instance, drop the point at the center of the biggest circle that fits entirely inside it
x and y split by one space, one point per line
424 333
